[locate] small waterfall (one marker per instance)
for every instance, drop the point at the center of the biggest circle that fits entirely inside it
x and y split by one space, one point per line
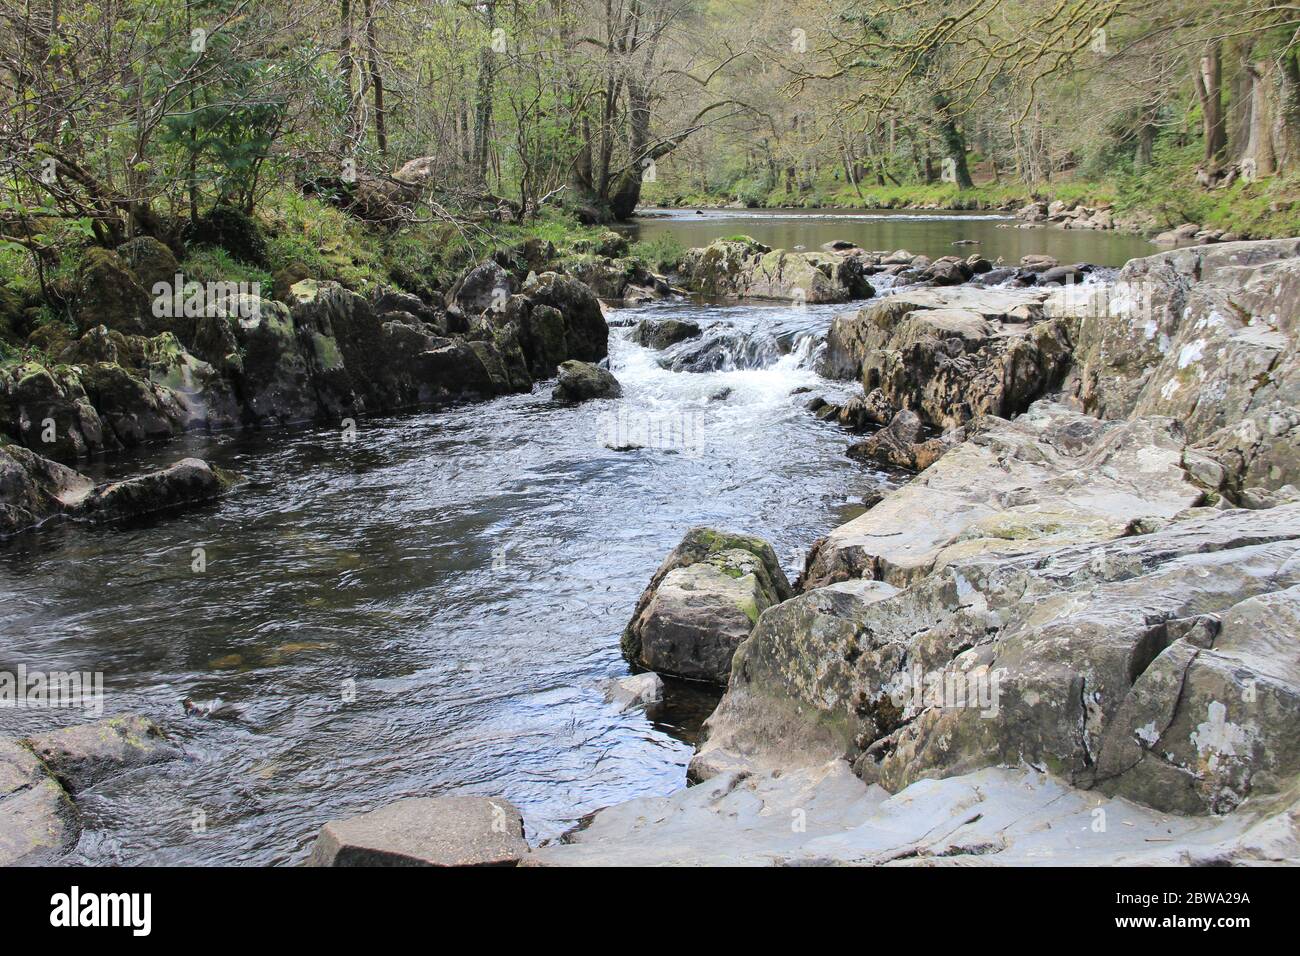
727 349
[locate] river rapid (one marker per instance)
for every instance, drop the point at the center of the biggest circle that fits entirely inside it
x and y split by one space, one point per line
433 606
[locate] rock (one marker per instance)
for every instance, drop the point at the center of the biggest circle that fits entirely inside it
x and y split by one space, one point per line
862 411
1038 263
1050 477
189 481
900 444
702 602
580 381
485 287
425 831
721 395
84 755
586 334
1182 233
150 260
231 229
822 815
34 489
640 690
38 823
661 333
1124 665
1062 275
952 354
108 293
743 268
1206 335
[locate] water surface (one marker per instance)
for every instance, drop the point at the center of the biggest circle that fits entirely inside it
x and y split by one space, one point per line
923 233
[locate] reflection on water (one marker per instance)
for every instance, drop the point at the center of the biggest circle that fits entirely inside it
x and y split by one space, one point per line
923 233
468 571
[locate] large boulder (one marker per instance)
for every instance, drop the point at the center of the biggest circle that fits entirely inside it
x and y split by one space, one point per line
702 603
580 381
33 488
190 481
47 408
743 268
1206 335
108 293
485 287
430 831
1156 666
951 354
661 333
586 333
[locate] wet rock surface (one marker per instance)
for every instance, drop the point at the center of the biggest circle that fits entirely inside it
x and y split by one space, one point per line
743 268
431 831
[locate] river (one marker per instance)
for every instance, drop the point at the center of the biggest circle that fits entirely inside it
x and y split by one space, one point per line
436 605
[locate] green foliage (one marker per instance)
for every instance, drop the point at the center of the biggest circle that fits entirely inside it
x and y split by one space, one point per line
663 253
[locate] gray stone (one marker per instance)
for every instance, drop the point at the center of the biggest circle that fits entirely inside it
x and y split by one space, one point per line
82 756
580 381
640 690
426 831
38 822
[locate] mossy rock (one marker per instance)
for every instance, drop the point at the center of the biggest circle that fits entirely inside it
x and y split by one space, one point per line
108 293
150 260
285 279
230 229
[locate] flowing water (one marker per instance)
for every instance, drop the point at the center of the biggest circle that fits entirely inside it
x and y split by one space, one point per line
466 572
435 606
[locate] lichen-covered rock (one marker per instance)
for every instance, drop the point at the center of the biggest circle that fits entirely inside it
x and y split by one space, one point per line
83 755
744 268
586 333
485 287
1206 335
38 822
47 409
430 831
952 354
580 381
1158 665
1050 477
702 602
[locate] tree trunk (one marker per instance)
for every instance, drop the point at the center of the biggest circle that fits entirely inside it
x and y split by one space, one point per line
1209 89
483 100
953 141
376 78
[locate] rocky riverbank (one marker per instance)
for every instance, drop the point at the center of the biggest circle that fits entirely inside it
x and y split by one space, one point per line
223 358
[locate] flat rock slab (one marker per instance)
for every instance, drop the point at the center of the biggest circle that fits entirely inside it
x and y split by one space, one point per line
426 831
82 756
824 815
37 820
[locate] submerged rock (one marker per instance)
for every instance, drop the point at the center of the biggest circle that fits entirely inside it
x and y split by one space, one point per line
640 690
34 489
430 831
661 333
580 381
82 756
702 602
